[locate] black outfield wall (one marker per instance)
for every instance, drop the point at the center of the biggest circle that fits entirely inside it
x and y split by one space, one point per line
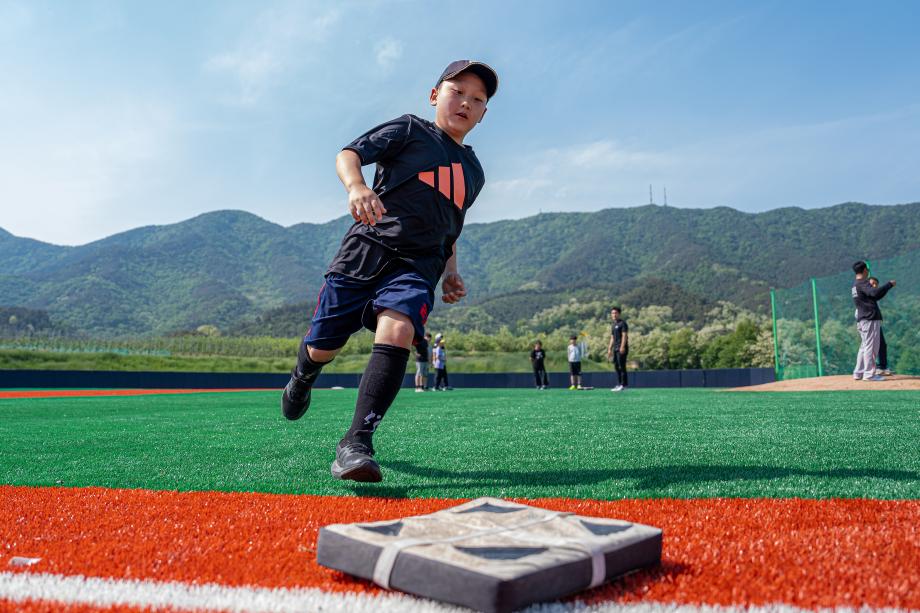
49 379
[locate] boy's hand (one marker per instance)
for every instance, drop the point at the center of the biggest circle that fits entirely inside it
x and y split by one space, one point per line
364 205
452 288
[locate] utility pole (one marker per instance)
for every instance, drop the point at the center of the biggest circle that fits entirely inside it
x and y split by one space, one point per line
666 195
650 201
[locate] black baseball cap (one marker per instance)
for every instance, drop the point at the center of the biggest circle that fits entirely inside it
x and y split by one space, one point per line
480 69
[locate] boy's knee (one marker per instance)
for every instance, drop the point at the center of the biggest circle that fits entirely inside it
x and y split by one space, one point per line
394 328
321 356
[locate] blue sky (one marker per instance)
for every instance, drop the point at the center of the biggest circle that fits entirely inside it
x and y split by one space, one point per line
115 115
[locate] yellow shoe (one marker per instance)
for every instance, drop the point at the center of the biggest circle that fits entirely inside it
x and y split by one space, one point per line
572 387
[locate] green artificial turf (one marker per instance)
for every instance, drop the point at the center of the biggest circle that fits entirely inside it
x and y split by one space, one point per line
591 444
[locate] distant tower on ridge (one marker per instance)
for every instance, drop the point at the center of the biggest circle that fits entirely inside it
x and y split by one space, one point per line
650 201
666 195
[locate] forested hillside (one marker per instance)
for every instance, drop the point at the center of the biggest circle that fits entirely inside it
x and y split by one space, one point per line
230 269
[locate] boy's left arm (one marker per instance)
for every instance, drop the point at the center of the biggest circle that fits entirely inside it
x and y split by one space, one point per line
452 286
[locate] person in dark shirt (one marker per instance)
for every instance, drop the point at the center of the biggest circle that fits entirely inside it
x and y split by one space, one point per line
402 243
421 362
537 360
882 344
868 321
618 348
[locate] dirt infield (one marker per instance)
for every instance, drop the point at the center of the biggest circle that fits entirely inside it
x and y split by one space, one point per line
838 383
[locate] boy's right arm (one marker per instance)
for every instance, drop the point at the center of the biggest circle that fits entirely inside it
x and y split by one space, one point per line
363 203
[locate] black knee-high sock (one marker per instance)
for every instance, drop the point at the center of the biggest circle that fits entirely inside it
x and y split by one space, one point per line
379 385
307 370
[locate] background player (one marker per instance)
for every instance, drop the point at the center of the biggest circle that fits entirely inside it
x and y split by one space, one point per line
618 348
537 360
421 362
439 359
868 321
882 344
574 356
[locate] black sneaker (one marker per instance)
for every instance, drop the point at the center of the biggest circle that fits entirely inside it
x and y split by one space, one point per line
295 399
355 461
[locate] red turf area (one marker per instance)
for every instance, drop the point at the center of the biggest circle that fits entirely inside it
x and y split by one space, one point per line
95 393
806 553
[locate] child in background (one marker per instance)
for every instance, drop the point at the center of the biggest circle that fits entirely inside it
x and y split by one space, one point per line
422 352
537 360
574 363
439 358
618 348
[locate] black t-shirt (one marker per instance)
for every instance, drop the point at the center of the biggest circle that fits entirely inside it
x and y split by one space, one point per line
866 298
421 350
618 328
427 182
537 356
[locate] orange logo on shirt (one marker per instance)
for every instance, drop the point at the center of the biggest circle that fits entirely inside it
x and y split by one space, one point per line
444 182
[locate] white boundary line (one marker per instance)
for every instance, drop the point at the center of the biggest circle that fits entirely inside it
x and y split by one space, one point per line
94 591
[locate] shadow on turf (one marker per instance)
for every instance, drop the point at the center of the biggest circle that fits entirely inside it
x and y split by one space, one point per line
646 478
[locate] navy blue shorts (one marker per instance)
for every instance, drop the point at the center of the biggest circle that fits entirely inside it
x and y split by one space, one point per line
345 305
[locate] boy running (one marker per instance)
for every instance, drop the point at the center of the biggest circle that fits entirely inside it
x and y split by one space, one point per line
402 242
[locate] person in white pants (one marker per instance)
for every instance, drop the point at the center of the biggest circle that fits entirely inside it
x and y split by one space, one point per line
868 350
868 321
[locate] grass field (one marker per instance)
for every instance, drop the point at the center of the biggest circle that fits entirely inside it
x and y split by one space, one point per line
645 443
796 500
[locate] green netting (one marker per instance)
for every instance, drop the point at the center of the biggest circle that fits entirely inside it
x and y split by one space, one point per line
806 350
795 333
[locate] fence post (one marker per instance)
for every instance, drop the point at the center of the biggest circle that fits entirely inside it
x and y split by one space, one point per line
814 300
775 339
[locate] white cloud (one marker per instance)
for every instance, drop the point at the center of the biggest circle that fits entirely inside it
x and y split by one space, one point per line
276 43
608 154
521 187
860 158
81 174
583 164
579 177
387 52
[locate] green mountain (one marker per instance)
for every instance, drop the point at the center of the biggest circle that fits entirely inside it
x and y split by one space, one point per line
229 268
